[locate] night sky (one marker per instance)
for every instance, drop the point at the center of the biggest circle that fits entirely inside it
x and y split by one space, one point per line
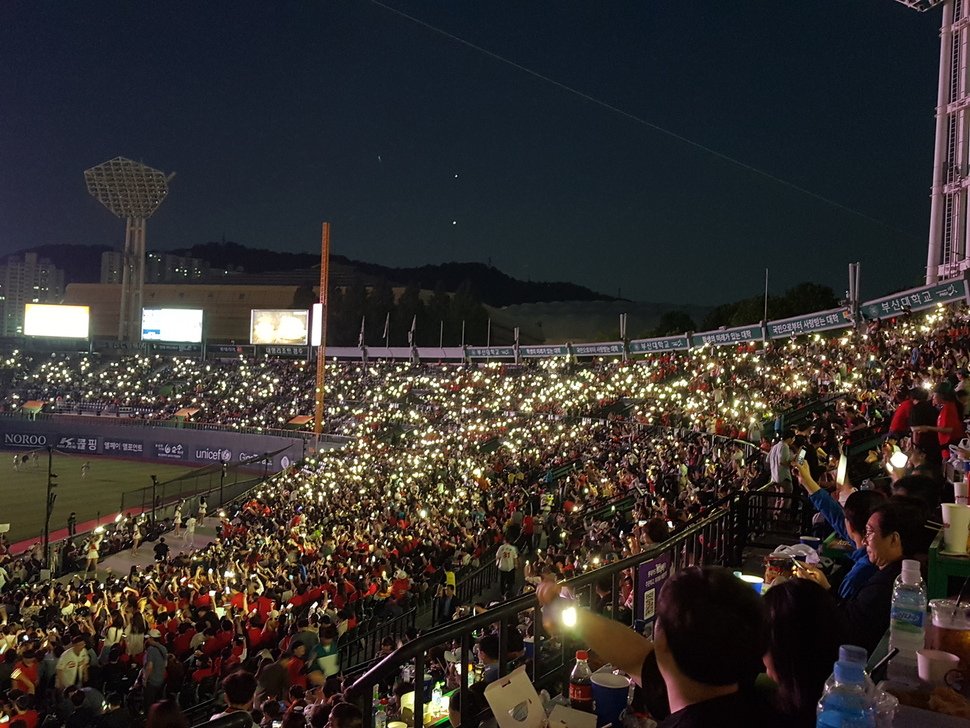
419 149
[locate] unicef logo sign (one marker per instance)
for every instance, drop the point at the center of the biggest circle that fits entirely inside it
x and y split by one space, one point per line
284 462
216 454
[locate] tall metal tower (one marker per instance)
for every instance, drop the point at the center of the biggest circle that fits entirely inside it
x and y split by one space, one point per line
132 191
948 252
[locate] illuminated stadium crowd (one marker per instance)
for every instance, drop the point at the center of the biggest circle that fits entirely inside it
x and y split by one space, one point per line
446 465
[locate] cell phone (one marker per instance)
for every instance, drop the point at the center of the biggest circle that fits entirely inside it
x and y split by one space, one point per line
800 458
841 472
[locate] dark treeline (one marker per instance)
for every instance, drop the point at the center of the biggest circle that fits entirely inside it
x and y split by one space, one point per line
372 304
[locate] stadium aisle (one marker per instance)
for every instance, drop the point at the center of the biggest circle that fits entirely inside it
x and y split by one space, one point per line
121 562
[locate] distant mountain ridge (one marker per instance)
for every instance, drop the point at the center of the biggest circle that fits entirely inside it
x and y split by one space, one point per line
489 284
82 264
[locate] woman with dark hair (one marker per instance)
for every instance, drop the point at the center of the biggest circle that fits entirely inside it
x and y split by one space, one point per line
799 659
166 714
135 636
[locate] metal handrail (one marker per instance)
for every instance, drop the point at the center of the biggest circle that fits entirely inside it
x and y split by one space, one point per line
683 545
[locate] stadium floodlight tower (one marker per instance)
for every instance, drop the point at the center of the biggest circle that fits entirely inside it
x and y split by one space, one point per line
132 191
948 252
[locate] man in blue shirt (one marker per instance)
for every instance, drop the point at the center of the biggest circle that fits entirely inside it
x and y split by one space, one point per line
849 524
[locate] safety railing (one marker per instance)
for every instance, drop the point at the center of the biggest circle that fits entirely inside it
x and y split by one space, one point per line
364 644
771 515
711 540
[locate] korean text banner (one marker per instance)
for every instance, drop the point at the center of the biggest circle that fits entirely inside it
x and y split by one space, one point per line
836 318
724 337
663 343
915 299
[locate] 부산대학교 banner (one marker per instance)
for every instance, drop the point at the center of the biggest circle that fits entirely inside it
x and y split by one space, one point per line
663 343
915 299
491 352
725 337
836 318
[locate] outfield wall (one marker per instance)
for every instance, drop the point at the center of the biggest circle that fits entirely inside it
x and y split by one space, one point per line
159 444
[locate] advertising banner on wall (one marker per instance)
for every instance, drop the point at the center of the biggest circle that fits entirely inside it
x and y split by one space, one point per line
723 337
608 348
663 343
836 318
652 574
122 448
169 451
286 352
79 443
491 352
531 352
915 299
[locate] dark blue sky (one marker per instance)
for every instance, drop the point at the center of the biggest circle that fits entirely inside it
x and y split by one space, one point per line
277 116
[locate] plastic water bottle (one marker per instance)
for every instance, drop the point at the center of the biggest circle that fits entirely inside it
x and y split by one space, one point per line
857 656
846 704
380 717
907 629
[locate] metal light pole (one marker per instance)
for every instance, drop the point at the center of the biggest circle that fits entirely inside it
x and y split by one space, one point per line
154 497
49 508
222 483
322 349
132 191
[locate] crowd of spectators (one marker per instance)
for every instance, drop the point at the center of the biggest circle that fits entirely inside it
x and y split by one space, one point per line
448 467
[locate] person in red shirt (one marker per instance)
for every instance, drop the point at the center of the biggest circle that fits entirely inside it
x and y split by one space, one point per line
949 423
182 644
297 667
23 711
203 670
899 427
401 585
25 674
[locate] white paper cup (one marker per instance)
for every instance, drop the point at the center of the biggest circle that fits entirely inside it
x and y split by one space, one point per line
933 665
960 492
956 524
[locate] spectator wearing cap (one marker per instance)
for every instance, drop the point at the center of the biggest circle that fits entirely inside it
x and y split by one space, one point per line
153 673
963 385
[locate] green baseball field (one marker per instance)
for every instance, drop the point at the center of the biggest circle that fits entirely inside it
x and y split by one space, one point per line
96 494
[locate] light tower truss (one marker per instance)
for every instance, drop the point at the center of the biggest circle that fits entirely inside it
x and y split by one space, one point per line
132 191
948 249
